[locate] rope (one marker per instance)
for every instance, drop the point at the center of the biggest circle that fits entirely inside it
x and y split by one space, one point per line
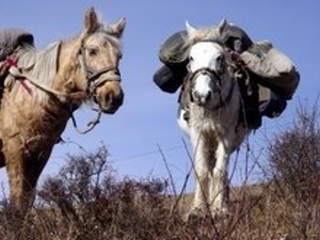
62 97
15 72
91 125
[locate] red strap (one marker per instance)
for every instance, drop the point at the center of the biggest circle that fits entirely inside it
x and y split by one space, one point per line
25 86
13 62
9 62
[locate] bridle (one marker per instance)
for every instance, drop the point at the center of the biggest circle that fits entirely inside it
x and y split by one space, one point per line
213 75
93 83
216 78
92 75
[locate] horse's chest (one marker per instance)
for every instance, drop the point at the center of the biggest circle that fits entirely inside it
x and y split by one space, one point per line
208 123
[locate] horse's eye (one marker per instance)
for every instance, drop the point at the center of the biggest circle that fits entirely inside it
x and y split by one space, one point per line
220 59
190 59
92 52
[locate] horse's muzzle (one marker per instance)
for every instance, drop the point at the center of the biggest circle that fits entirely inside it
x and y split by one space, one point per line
112 102
201 99
109 102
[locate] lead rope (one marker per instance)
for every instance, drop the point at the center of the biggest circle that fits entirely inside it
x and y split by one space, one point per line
90 126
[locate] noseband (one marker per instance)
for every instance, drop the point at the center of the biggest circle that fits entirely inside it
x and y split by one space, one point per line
213 75
215 78
93 75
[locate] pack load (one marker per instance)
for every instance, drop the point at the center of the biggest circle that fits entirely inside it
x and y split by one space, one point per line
273 78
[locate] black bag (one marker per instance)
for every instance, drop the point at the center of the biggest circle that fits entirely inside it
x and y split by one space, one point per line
169 80
173 54
175 49
271 102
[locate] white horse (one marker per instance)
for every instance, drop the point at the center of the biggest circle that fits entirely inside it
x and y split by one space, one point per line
214 122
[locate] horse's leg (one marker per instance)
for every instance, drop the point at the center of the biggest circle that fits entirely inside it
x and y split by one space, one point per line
219 182
23 174
17 182
33 171
20 196
201 168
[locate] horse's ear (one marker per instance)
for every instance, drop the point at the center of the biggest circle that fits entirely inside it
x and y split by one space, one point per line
118 28
91 21
222 25
190 30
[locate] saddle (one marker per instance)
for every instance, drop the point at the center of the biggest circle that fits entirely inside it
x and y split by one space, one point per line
29 62
11 38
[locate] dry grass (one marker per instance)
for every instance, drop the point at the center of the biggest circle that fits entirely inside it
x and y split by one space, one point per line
85 200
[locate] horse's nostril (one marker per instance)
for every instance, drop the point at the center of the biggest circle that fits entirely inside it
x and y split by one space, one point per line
118 101
196 95
208 97
202 98
114 100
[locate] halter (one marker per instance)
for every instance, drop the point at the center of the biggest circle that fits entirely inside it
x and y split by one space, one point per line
215 78
93 75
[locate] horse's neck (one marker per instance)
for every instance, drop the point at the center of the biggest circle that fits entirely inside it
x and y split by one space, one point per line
69 70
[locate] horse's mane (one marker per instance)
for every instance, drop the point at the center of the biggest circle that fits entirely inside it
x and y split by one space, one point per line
42 65
204 34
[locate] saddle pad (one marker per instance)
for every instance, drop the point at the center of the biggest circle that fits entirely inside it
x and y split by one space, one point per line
12 38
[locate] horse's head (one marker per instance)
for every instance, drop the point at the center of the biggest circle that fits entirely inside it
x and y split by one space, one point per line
99 55
208 75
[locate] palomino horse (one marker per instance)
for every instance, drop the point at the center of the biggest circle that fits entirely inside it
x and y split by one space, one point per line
43 89
213 106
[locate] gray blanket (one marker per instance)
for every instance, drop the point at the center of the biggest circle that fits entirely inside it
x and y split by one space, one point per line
11 38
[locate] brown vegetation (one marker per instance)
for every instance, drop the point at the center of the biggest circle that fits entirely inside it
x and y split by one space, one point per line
86 201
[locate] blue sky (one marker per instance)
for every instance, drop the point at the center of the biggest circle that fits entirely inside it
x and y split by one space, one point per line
147 119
